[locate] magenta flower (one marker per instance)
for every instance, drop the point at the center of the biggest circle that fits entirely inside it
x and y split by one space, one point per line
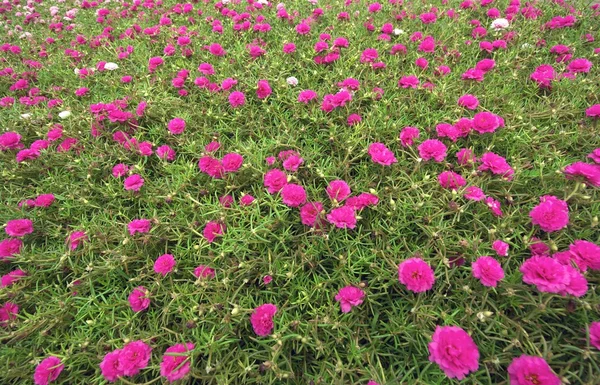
484 122
232 162
552 214
262 319
381 154
293 195
310 212
579 65
591 112
139 299
496 164
595 334
10 247
348 297
19 227
468 101
133 182
176 126
246 200
451 180
432 149
488 271
408 135
212 230
416 274
76 238
164 264
134 357
546 273
338 190
454 351
274 180
204 272
528 370
237 99
11 277
139 226
110 366
8 313
211 166
48 370
263 89
176 365
343 217
500 247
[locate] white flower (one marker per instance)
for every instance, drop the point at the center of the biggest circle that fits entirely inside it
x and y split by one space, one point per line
526 46
64 114
292 81
76 70
25 116
313 2
398 31
111 66
279 6
500 24
225 2
263 2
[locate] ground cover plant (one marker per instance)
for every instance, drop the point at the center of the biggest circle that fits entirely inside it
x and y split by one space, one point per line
309 192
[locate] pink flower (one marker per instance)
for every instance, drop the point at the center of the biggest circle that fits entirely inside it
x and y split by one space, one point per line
468 101
484 122
546 273
595 155
133 182
362 200
343 217
44 200
175 366
120 170
591 112
76 238
338 190
8 313
211 166
408 135
111 366
212 147
302 29
306 96
348 297
432 149
500 247
579 65
134 357
494 206
292 163
204 272
451 180
10 247
139 299
274 180
496 164
293 195
164 264
408 82
577 286
454 351
176 126
139 226
552 214
10 141
465 156
262 319
212 230
237 99
416 274
381 154
12 277
47 371
585 254
267 279
595 334
488 271
309 213
589 172
165 152
530 370
232 162
263 89
19 227
246 200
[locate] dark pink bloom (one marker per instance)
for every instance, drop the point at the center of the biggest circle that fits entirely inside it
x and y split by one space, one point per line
454 351
381 154
408 82
465 156
416 274
488 271
10 141
589 172
408 135
232 162
306 96
246 200
494 206
496 164
552 214
348 297
474 193
134 357
19 227
133 183
211 166
12 277
111 366
432 149
212 230
580 65
120 170
139 299
274 180
338 190
500 247
293 195
263 89
262 319
531 370
176 126
451 180
204 272
175 365
47 371
165 152
468 101
76 238
546 273
343 217
164 264
484 122
585 254
139 226
9 247
44 200
595 334
310 212
591 112
237 99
